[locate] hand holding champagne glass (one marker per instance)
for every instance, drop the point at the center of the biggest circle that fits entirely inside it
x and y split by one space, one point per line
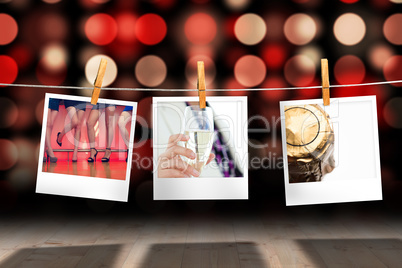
180 162
170 163
199 126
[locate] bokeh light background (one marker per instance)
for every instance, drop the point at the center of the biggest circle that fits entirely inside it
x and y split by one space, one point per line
156 43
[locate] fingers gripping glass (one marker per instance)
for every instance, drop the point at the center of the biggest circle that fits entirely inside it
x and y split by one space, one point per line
199 126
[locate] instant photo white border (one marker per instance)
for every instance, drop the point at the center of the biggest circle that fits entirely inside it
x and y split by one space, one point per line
202 188
83 186
346 189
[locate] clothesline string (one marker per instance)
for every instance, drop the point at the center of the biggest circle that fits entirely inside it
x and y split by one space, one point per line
214 89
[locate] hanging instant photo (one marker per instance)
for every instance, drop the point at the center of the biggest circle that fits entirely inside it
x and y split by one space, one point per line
200 153
86 149
310 143
331 153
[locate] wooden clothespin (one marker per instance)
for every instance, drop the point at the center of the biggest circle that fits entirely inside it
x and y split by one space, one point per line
325 81
98 81
201 84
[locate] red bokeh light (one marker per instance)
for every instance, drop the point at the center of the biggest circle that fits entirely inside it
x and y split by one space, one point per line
43 27
349 69
274 56
101 29
250 71
150 29
126 27
8 29
275 81
125 53
391 29
200 29
8 69
22 55
349 1
393 69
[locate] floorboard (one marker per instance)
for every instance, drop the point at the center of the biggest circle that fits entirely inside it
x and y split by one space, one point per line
255 241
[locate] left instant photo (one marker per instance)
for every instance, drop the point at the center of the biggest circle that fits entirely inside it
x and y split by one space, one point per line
86 149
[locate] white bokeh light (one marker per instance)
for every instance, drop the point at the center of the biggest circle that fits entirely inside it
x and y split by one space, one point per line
92 66
300 29
250 29
349 29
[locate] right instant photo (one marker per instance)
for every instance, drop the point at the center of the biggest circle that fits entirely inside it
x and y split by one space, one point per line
331 153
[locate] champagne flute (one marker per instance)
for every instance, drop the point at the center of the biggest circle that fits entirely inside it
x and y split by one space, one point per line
199 126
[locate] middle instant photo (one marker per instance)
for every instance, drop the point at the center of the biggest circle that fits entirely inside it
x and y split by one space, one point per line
200 153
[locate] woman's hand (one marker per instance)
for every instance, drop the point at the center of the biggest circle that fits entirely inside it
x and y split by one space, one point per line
170 164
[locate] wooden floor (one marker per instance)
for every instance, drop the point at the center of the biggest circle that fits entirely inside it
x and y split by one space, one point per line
201 241
114 169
